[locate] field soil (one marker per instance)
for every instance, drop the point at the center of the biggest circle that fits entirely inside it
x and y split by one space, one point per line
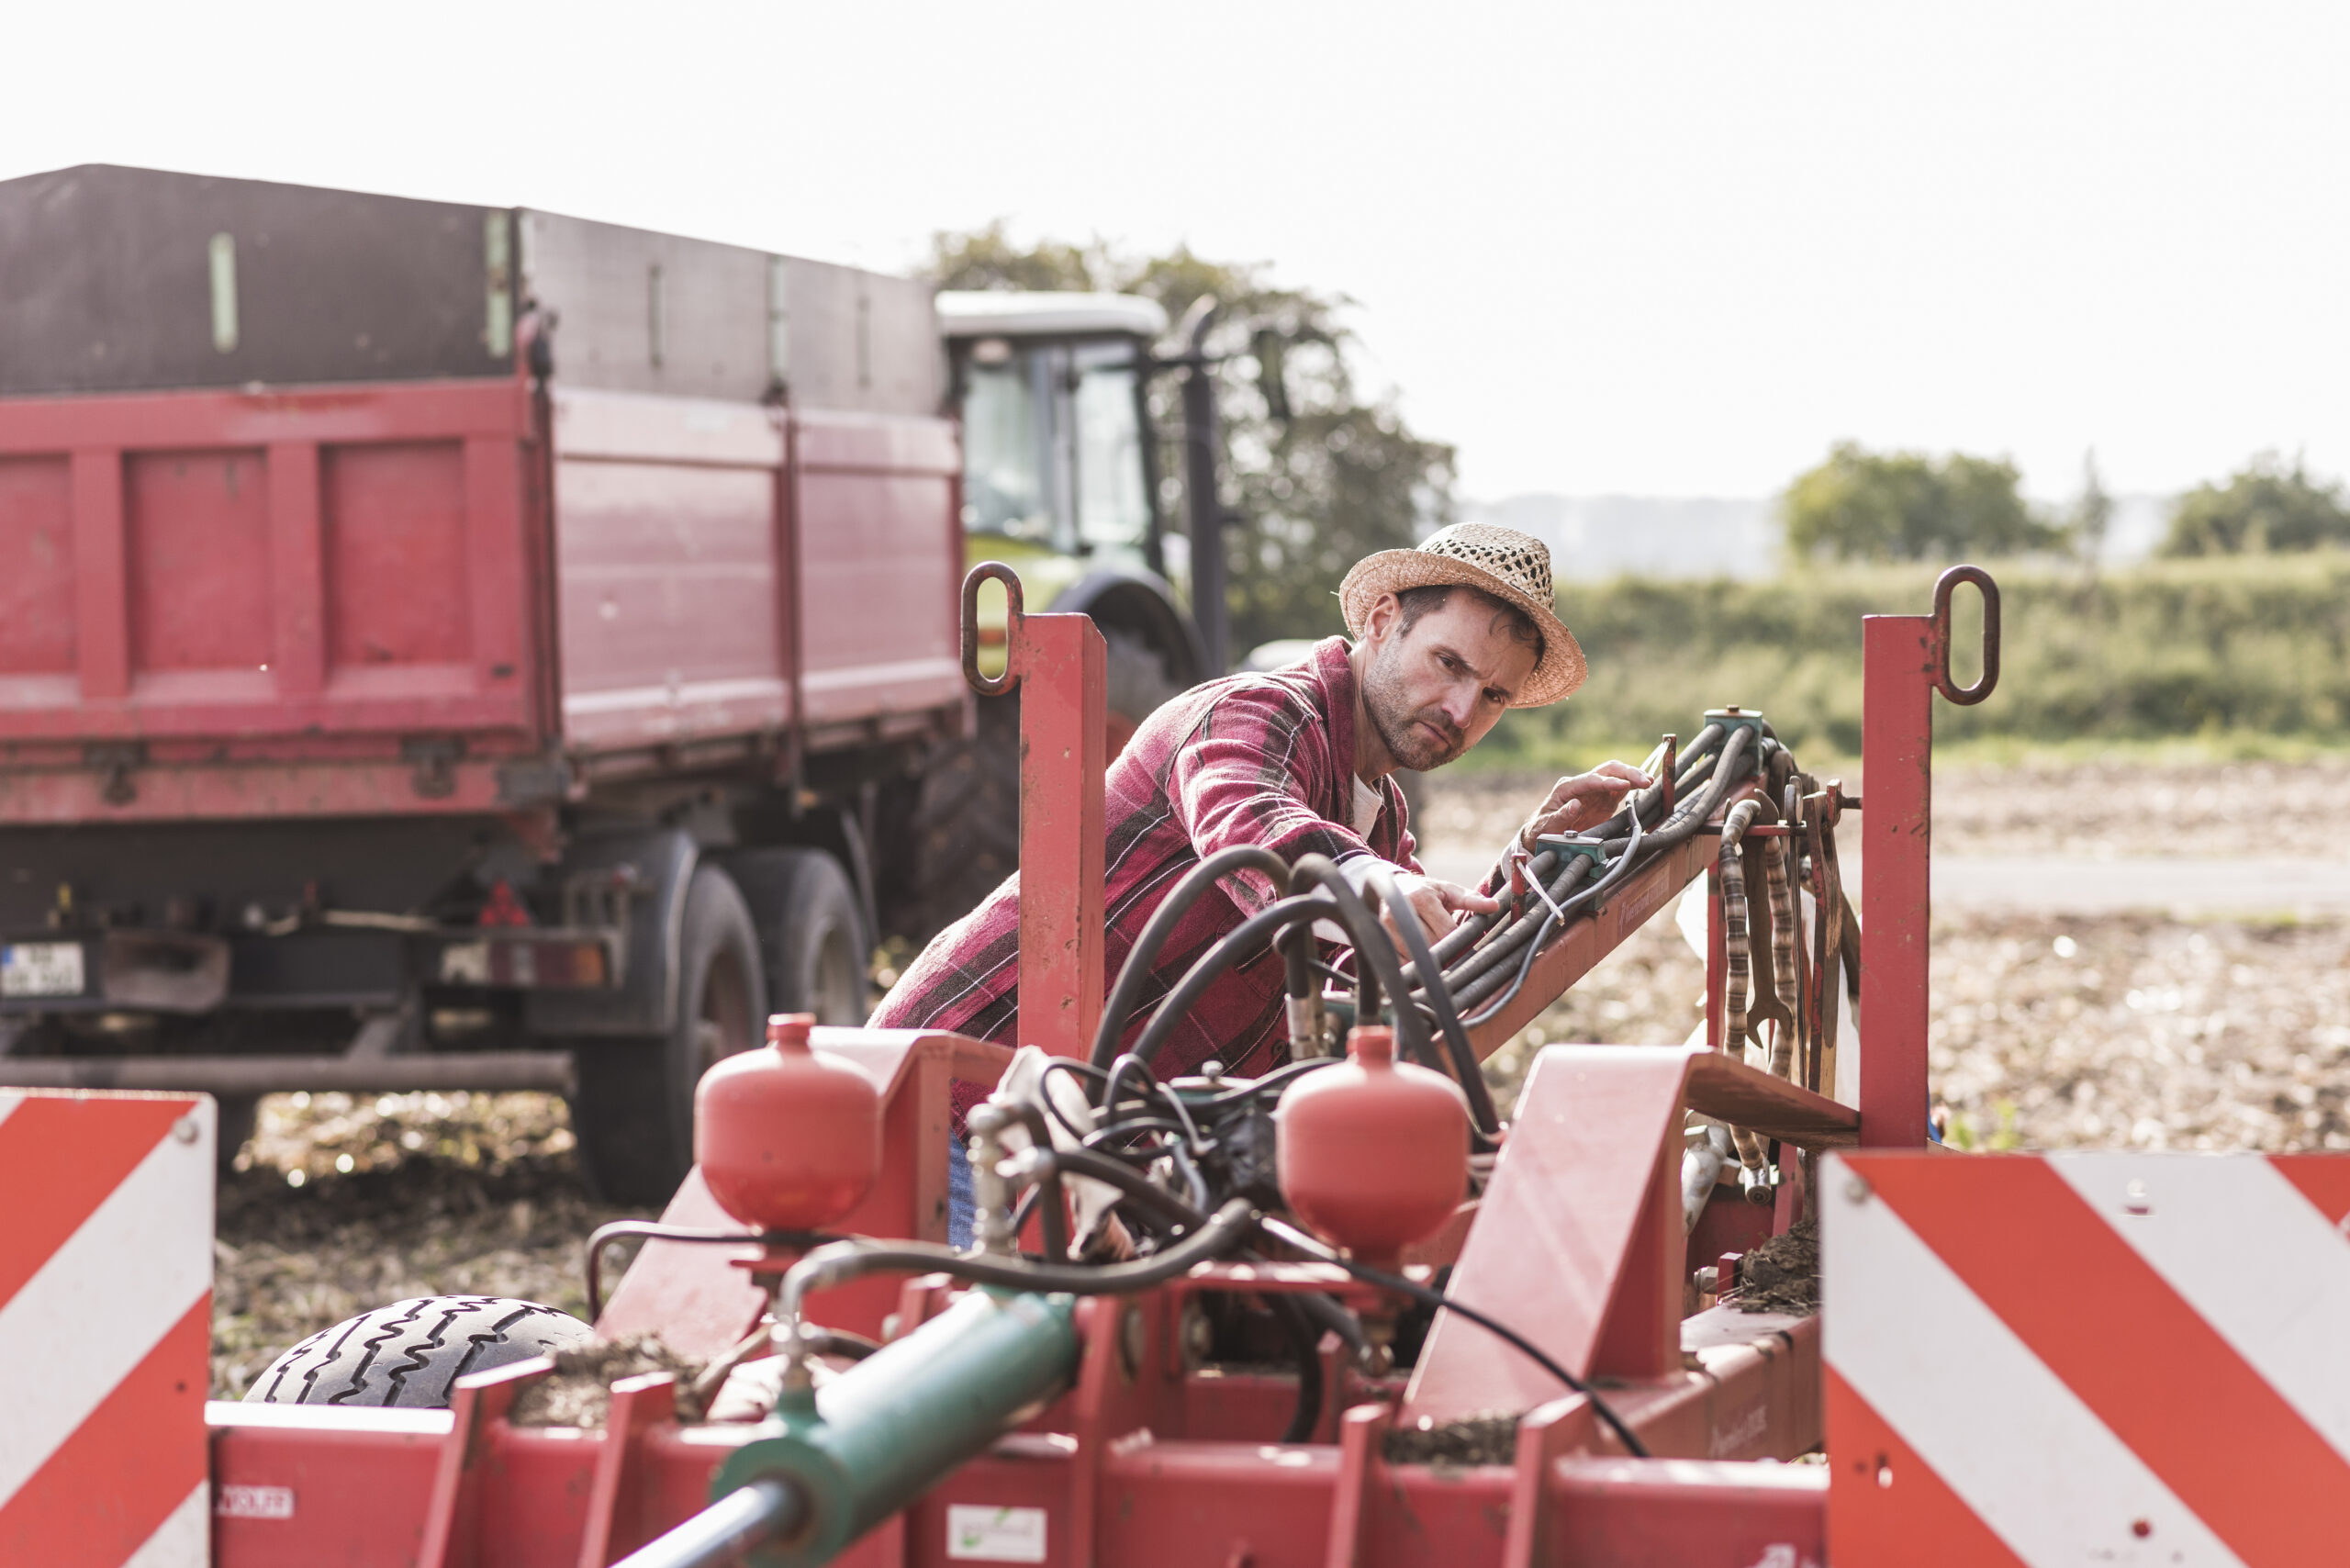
2116 1031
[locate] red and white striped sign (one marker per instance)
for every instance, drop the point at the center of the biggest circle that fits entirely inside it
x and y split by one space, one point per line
106 1297
2087 1359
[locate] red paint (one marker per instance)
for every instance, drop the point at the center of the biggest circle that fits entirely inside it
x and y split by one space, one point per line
1896 759
1374 1153
1060 663
602 575
786 1139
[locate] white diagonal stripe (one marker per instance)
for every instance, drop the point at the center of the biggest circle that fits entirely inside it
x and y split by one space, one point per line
101 1301
2250 1254
2032 1462
8 1103
181 1540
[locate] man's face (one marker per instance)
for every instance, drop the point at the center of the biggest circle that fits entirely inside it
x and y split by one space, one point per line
1434 691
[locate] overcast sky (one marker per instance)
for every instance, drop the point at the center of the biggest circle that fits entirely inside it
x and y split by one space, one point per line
1670 249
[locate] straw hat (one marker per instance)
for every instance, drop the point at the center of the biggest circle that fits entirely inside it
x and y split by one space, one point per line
1512 566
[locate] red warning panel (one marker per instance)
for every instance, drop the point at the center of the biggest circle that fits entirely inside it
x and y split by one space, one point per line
106 1298
2086 1357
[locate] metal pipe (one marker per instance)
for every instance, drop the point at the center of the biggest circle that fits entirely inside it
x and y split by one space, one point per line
759 1513
479 1071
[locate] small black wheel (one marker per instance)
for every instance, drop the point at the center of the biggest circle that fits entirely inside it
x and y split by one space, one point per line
633 1109
412 1352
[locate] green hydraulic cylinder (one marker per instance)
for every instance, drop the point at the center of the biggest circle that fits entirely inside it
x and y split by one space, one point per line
891 1426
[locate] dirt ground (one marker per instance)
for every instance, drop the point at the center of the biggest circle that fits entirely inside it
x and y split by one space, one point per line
2115 1032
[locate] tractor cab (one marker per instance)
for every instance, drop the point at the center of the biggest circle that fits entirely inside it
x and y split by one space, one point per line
1060 464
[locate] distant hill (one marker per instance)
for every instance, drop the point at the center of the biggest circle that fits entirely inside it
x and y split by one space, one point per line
1595 537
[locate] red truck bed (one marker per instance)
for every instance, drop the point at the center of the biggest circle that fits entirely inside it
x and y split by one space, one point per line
341 600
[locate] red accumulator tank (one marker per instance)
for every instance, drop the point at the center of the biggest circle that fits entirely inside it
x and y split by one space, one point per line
786 1139
1373 1153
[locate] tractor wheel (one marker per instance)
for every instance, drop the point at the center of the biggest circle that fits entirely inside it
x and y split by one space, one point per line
964 832
413 1352
634 1110
965 822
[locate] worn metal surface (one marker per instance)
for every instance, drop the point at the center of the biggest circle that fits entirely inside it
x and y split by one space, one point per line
487 1072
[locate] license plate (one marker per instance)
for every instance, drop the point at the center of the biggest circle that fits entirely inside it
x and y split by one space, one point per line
42 969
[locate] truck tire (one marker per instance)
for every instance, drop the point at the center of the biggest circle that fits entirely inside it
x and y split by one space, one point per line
634 1110
817 953
412 1352
1136 683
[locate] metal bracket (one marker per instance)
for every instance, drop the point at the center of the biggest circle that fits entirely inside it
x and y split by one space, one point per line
1566 843
114 760
435 758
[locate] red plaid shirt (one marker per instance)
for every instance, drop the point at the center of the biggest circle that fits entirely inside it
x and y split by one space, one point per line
1262 759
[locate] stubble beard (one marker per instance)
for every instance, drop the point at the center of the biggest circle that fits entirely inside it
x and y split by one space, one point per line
1398 723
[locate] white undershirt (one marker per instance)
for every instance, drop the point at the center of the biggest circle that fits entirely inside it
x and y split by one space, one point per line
1369 803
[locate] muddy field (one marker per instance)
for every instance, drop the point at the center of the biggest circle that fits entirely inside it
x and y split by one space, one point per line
2116 1032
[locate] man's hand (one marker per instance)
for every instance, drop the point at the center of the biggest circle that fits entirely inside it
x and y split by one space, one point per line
1584 801
1438 905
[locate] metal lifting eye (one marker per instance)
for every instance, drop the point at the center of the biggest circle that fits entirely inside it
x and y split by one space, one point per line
1014 610
1966 696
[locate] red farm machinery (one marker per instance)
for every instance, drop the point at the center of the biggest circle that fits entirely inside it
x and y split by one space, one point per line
1340 1314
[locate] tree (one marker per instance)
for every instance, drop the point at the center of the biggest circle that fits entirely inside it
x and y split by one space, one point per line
1317 474
1905 506
2264 506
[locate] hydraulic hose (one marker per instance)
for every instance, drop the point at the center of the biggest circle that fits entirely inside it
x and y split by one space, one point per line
1132 979
1374 955
838 1264
1465 1068
1236 945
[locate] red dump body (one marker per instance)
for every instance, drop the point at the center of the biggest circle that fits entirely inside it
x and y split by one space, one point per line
452 595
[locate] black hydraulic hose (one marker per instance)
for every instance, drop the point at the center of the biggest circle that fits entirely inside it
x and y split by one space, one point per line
651 1231
1162 1205
1293 1236
1374 954
1465 1067
1280 1078
1305 1345
1235 946
1136 975
1589 896
828 1267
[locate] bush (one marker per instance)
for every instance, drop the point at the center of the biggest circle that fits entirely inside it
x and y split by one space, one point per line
2252 644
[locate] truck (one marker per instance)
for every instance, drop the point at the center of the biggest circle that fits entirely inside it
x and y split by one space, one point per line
519 649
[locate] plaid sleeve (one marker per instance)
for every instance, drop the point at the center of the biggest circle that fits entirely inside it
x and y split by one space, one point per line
1250 772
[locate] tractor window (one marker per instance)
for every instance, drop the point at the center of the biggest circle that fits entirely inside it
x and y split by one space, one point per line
1112 508
1004 488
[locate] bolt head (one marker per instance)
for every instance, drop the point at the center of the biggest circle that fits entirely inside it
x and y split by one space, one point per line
185 1129
1856 1190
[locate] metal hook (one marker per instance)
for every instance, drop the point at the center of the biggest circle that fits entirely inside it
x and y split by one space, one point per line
1966 696
1014 611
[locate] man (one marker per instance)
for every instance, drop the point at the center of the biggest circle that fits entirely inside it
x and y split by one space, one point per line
1297 761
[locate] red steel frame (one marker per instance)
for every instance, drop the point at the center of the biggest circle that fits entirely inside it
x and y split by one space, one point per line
1149 1458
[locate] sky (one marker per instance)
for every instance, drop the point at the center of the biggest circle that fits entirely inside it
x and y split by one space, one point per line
1667 249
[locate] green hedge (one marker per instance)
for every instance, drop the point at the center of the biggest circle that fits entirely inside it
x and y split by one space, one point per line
2194 649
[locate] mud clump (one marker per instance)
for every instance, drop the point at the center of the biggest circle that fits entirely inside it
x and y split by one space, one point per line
578 1393
1482 1437
1782 1274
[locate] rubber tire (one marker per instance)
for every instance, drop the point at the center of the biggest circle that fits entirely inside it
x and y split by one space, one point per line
818 955
633 1109
965 826
239 1114
966 829
412 1352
